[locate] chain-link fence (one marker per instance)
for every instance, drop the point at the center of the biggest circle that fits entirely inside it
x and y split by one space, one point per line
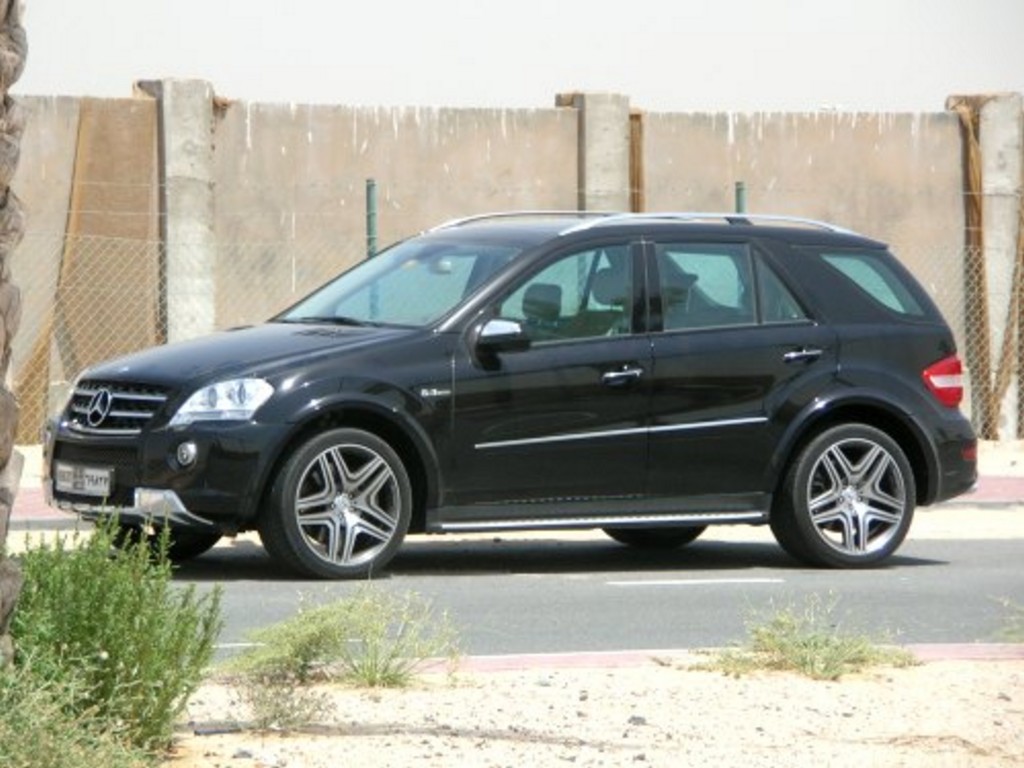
88 299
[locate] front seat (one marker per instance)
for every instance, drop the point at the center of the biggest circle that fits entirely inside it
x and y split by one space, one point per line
542 308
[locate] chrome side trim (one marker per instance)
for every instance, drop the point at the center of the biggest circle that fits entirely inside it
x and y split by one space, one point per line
705 424
562 438
605 521
621 432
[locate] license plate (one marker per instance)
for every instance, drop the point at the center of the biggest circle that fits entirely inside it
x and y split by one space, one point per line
87 481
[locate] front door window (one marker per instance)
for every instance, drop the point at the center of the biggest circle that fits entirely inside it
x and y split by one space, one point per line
580 296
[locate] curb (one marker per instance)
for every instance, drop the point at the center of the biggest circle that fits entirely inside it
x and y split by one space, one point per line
925 653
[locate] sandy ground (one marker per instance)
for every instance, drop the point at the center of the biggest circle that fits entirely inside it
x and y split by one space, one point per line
654 713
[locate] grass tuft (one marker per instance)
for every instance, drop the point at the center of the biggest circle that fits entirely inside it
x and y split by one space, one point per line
808 641
1012 630
373 639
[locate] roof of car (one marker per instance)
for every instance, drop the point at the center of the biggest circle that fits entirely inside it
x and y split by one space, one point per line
536 226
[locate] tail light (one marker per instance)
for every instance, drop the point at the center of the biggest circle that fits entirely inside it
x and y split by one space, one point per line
945 380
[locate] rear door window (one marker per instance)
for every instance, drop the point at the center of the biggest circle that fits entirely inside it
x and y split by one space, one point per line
778 305
705 285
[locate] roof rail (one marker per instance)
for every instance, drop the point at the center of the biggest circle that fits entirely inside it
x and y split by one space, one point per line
698 216
518 214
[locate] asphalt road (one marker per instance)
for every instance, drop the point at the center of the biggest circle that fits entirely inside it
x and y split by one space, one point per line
583 592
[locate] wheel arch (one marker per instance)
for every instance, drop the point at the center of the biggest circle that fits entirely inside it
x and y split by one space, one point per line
878 414
404 437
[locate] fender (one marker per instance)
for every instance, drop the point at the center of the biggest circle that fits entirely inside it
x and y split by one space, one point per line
839 397
320 399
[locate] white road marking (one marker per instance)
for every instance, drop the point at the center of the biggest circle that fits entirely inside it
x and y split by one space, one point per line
691 582
228 646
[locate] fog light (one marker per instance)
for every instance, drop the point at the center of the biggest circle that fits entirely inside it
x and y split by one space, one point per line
187 453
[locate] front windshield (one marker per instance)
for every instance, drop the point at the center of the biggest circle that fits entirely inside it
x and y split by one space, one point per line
414 283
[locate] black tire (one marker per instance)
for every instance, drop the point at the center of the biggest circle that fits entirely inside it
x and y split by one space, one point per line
182 544
655 538
339 508
847 501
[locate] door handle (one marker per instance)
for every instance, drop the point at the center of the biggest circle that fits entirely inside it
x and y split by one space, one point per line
802 354
618 378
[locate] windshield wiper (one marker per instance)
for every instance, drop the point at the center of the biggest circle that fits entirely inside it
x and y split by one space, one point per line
326 320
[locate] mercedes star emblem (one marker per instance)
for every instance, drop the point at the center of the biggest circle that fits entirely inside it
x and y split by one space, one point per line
99 407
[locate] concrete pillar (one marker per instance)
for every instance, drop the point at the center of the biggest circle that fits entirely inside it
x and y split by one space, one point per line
603 147
186 155
1001 135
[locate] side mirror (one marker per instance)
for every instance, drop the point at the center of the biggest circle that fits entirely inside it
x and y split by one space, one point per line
500 335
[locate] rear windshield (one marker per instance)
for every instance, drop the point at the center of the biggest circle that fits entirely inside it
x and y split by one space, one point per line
873 273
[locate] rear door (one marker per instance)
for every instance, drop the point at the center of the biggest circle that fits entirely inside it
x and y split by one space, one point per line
735 352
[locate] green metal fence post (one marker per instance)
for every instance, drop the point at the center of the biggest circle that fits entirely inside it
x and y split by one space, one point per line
741 197
371 218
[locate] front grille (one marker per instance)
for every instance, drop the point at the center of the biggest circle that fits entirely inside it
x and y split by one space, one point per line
114 408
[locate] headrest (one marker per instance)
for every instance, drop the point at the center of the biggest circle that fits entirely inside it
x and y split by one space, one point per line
542 301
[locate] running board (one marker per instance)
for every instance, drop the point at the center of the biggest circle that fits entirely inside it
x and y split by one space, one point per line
687 519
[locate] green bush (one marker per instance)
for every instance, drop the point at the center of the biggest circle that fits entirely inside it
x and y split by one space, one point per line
808 641
40 729
108 626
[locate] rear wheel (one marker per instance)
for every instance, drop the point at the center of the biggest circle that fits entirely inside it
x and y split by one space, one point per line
848 499
655 538
340 506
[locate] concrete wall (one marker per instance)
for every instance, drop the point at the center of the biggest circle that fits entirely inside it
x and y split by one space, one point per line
89 266
1001 139
896 178
291 185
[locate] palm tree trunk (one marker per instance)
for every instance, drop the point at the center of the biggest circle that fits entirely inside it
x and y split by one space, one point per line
13 50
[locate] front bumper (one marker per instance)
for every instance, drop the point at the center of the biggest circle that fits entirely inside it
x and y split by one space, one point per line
152 506
219 489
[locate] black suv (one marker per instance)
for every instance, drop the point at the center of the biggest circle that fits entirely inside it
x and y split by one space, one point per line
646 374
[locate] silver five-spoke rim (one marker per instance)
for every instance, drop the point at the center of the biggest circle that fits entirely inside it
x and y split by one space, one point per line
856 496
347 505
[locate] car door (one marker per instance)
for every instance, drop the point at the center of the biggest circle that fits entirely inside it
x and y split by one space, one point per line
735 353
561 423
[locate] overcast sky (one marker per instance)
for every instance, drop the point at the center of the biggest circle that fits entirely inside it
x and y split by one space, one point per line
666 55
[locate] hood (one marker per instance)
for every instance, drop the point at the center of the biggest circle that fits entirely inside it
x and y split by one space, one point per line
258 350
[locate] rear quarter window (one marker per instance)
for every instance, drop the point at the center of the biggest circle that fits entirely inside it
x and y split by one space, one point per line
876 278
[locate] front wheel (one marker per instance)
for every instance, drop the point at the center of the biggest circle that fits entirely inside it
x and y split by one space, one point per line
340 506
848 499
182 544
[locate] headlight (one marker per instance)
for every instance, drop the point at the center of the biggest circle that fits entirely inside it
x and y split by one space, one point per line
234 400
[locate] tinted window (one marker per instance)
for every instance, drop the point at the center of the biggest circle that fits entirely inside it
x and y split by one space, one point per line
705 285
581 295
778 305
413 283
874 276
